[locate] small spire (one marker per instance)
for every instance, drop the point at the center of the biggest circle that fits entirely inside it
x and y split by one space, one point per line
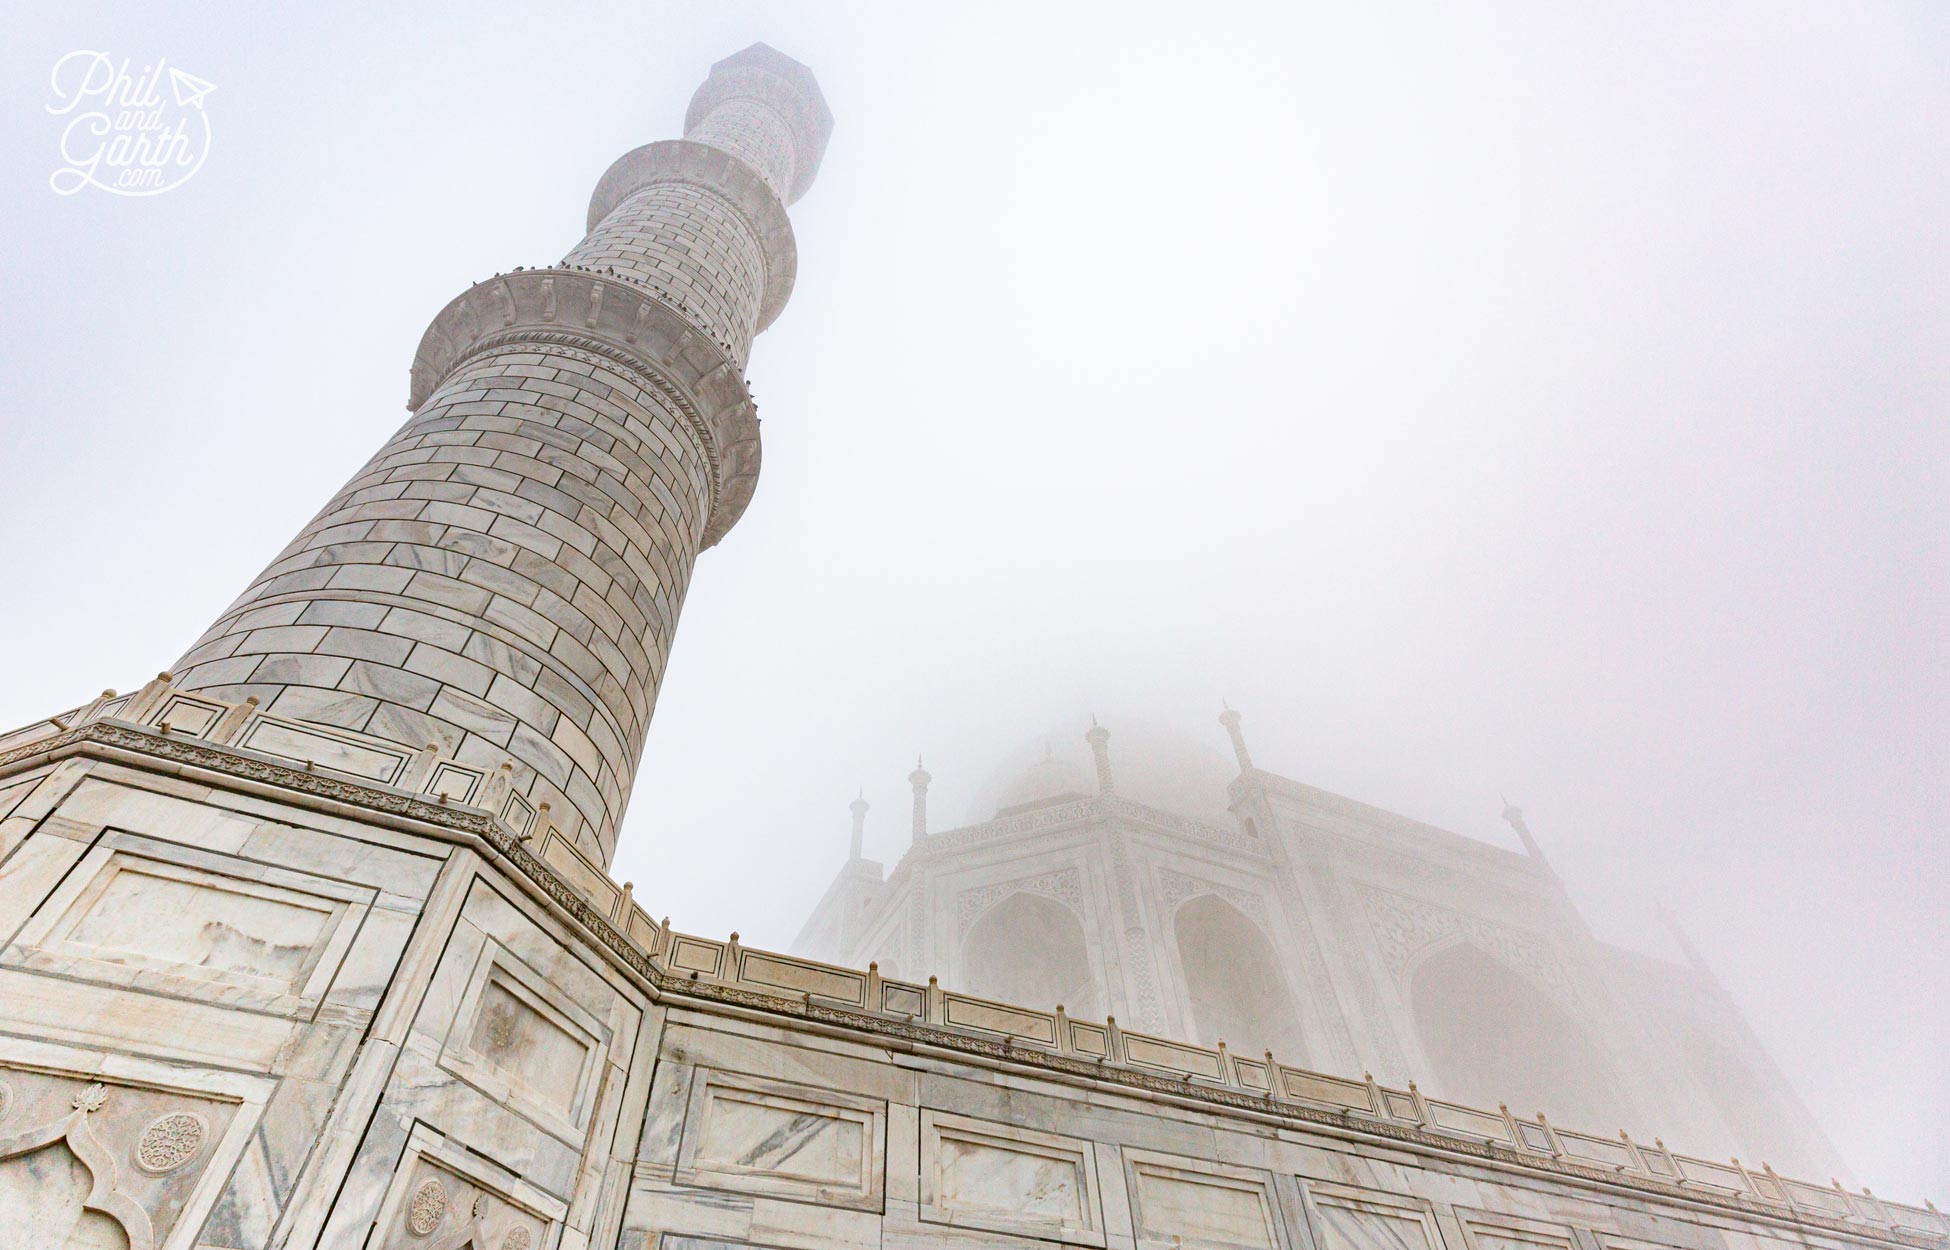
1514 816
1230 719
1099 739
919 779
859 808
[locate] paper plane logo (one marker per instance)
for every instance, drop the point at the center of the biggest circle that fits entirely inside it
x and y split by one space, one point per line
123 134
189 89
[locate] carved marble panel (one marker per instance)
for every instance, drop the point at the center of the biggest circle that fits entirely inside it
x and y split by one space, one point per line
444 1197
87 1163
1407 928
1190 1203
1346 1218
154 917
527 1044
753 1135
1000 1178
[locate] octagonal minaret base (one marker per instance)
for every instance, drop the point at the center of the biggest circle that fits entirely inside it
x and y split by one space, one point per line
502 580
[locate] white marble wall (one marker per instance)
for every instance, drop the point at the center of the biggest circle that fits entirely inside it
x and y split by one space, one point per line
230 1020
995 1155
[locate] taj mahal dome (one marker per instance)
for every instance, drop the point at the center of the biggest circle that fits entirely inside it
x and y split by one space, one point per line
1126 869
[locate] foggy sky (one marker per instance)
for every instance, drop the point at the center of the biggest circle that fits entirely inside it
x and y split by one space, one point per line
1536 398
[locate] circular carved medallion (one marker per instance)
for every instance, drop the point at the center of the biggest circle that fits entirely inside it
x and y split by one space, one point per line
517 1239
6 1099
170 1141
428 1205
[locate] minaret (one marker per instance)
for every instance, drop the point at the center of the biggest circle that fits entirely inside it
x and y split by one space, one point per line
919 779
859 808
1099 739
503 578
1513 816
1230 719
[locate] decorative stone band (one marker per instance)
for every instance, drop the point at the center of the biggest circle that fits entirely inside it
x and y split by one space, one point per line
738 184
618 319
180 731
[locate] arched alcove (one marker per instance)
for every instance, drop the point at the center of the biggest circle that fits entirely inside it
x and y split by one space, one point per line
1030 950
1233 979
1494 1037
42 1193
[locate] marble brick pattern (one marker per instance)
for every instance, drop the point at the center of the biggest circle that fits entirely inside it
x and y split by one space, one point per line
756 134
692 244
503 579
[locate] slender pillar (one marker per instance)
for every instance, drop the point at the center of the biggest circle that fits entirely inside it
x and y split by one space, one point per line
859 807
1513 816
1230 719
919 779
503 579
1099 739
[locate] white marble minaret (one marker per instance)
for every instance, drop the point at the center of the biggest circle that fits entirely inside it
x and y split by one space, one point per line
503 578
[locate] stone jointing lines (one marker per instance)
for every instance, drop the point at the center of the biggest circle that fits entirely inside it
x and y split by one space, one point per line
691 244
502 579
1064 885
1407 927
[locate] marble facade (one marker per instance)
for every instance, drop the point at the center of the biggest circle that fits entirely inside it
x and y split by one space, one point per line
1126 869
434 1025
314 943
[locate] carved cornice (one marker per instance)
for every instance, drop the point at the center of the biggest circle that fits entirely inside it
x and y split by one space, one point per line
620 321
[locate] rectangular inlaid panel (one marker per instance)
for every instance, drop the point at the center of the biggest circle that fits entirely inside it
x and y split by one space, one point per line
980 1013
997 1177
1358 1219
1489 1230
802 977
262 940
754 1135
1191 1203
527 1043
313 745
515 1034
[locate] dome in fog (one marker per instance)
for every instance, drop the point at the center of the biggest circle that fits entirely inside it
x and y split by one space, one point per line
1048 780
1151 764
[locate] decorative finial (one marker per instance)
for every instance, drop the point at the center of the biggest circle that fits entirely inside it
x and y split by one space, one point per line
1230 719
859 809
1514 816
1099 739
919 779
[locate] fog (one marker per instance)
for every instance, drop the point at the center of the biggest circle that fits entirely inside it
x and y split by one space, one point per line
1526 398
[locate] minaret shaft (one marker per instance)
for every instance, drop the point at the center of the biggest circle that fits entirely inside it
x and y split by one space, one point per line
503 579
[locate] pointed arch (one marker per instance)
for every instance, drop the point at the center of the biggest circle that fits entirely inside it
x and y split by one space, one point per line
1030 950
1491 1035
72 1134
1234 980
